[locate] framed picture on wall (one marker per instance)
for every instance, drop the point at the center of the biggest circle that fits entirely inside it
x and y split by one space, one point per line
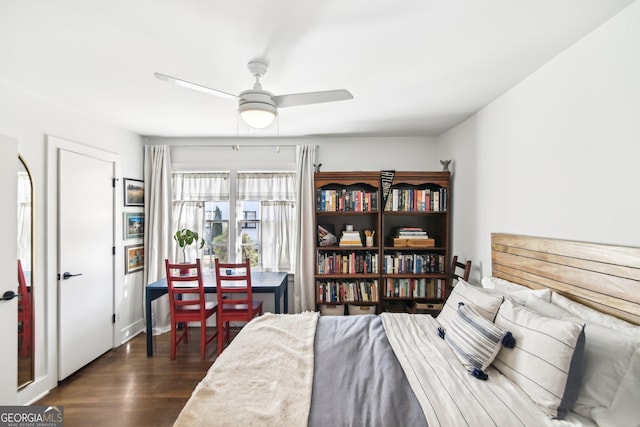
133 192
133 258
133 225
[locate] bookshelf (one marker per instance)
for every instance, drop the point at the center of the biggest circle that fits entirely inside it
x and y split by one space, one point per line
415 251
405 265
347 272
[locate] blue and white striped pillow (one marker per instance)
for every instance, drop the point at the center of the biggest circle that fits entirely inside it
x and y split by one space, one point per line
475 340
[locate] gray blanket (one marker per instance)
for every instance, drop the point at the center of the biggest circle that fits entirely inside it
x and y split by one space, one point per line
357 379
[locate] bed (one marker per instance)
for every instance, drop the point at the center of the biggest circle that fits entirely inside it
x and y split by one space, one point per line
398 369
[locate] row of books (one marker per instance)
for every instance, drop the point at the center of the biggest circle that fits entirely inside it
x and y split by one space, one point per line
415 288
417 200
347 291
413 263
347 263
346 200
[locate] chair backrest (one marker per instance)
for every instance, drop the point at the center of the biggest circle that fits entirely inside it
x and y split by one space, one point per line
455 266
234 278
185 285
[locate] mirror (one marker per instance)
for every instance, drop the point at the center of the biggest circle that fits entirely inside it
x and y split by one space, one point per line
25 274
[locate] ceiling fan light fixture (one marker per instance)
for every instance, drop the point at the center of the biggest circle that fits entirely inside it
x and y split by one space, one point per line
256 108
257 115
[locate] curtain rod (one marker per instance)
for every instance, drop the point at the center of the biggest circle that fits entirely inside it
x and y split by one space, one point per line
232 146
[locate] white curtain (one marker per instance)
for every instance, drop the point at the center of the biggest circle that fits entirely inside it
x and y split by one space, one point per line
200 186
278 243
303 286
159 231
278 186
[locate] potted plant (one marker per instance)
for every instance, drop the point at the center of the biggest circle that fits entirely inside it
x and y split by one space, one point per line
185 238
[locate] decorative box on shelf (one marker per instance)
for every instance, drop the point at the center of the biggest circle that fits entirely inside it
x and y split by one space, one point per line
414 243
332 309
361 309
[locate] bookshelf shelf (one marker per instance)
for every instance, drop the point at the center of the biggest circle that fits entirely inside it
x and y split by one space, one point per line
346 200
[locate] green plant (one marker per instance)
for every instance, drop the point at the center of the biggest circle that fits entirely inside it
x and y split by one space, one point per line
185 238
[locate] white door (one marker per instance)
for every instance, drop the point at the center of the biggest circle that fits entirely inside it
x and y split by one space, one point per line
85 259
8 263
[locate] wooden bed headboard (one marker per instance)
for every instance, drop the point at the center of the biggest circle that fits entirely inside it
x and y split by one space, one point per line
604 277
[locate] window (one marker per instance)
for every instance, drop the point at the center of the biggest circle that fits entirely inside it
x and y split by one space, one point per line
259 226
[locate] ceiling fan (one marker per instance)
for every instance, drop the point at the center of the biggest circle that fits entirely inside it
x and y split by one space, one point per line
257 107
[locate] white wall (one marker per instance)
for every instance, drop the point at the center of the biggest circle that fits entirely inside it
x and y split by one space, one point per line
334 153
558 155
29 119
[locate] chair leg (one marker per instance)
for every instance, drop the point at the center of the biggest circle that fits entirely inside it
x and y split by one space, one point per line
220 326
203 340
174 342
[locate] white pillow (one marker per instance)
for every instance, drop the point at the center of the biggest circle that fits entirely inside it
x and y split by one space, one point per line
591 315
546 308
547 360
486 304
517 292
475 340
611 382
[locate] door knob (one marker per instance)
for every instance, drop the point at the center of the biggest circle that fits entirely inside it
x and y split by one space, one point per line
9 295
66 275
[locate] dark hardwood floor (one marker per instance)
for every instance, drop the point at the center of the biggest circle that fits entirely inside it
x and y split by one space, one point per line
126 388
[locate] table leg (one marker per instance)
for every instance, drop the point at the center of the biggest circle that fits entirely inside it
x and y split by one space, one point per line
286 295
276 297
149 325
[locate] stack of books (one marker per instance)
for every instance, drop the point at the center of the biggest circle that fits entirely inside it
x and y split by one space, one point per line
350 238
412 236
412 233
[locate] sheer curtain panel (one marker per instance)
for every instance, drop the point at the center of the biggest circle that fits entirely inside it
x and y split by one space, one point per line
303 286
159 231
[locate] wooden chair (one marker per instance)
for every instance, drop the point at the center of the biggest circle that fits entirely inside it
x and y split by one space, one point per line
25 332
187 304
235 297
455 266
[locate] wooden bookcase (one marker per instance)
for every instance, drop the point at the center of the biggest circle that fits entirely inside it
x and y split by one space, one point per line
348 277
354 278
414 277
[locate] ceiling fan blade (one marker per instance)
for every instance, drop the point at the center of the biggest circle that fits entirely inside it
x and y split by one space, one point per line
294 99
194 86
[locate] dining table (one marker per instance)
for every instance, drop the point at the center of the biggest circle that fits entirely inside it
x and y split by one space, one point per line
262 282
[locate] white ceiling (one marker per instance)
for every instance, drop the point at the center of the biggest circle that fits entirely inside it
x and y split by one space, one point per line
415 67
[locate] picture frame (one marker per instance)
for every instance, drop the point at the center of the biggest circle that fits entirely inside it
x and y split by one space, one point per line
133 258
133 225
133 192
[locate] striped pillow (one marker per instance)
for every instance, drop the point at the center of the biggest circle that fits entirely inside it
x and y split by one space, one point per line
475 340
485 303
548 359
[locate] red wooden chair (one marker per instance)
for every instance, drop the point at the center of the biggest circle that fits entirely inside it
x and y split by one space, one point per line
235 297
187 304
25 332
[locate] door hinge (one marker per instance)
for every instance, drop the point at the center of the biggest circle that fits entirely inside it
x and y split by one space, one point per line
113 318
113 250
114 182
